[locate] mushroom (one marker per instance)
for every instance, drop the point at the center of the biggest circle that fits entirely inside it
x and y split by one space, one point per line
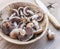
39 31
7 26
50 35
28 11
36 24
22 25
27 19
38 17
30 25
37 27
22 32
20 9
14 33
28 35
14 19
15 12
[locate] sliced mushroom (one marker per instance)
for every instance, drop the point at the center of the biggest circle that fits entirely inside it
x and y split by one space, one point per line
28 36
20 9
7 26
15 11
14 33
50 35
28 11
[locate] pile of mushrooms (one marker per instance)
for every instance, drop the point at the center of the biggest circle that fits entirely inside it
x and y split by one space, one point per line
23 24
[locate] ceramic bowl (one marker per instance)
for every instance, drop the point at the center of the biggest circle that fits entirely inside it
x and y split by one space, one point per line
7 11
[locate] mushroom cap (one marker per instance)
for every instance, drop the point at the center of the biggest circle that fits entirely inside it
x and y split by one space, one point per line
7 27
40 17
14 33
28 36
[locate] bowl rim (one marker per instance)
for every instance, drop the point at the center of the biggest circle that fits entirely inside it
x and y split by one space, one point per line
28 42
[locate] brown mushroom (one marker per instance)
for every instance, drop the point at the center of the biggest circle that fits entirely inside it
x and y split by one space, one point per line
7 26
28 35
28 11
14 33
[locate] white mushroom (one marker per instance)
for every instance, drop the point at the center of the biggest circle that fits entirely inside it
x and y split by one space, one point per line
15 11
50 35
20 9
36 24
28 11
15 24
34 16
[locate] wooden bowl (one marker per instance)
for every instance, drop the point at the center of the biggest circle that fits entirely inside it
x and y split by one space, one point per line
7 11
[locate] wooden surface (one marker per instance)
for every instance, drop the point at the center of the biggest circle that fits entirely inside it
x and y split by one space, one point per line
41 44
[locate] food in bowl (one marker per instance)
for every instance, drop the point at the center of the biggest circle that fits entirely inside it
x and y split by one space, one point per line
23 23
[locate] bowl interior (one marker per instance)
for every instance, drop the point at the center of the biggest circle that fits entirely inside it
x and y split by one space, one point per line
7 12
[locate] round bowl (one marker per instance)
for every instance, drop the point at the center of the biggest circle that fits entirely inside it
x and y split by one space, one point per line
6 11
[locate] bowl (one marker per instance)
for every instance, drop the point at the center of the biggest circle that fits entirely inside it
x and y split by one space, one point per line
6 11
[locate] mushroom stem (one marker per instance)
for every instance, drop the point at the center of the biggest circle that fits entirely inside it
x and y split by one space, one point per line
36 24
15 24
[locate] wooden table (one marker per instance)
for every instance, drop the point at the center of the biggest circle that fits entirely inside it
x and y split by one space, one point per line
54 44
